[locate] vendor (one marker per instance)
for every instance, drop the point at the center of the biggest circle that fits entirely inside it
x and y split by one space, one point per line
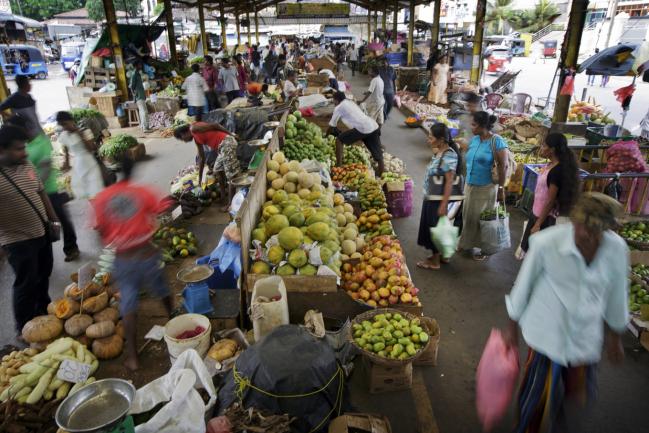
374 100
290 88
333 82
208 138
361 128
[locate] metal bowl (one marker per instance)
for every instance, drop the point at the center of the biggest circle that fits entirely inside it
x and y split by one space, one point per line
195 274
97 407
258 143
272 124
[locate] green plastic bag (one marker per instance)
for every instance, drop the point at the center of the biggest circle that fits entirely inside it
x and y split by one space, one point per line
445 236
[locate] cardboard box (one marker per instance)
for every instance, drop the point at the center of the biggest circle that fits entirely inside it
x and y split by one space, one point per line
357 422
388 379
429 357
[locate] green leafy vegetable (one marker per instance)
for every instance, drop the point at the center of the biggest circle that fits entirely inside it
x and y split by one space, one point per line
80 114
117 145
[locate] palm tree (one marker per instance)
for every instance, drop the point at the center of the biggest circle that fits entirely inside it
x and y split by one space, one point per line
545 10
497 13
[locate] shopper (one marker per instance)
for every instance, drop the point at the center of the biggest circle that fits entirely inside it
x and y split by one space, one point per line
605 79
86 177
242 75
374 100
480 192
126 219
352 55
290 86
439 82
208 138
256 62
230 78
333 82
573 282
270 67
389 78
556 187
137 88
361 128
22 103
24 216
445 163
211 76
196 89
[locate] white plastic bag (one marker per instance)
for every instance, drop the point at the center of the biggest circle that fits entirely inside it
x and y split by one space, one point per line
444 235
495 235
185 410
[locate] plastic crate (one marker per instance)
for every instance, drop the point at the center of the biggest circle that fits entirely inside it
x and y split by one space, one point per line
398 59
595 135
530 176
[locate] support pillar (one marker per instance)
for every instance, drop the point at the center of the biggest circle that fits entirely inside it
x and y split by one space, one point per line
171 35
411 34
376 20
224 33
256 27
369 26
395 16
476 60
434 31
569 54
120 72
384 19
238 24
249 35
201 21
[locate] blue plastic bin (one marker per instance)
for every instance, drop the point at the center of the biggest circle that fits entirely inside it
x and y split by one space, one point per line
219 280
530 176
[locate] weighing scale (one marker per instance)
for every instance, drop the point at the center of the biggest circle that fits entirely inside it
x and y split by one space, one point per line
196 293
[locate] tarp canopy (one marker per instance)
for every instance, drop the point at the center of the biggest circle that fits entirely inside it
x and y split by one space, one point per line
616 61
337 31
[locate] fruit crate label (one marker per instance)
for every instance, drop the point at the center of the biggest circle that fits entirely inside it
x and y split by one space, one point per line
73 371
176 213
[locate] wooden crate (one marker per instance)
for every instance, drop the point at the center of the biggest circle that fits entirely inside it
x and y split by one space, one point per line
97 78
115 122
107 102
301 283
383 379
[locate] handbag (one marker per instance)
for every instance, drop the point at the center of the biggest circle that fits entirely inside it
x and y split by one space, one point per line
52 229
436 184
509 168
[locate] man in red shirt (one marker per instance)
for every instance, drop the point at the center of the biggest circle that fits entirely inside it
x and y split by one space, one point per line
211 75
126 219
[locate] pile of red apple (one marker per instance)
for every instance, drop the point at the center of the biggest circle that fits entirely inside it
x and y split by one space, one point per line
380 279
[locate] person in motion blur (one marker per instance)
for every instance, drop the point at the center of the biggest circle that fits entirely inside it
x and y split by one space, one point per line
290 88
333 82
137 89
352 55
573 285
374 100
126 219
556 187
24 216
229 76
389 78
196 88
211 76
242 74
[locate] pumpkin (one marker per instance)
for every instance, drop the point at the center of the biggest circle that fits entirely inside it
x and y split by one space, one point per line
101 329
66 308
108 347
42 328
108 313
73 291
254 88
119 329
77 324
95 304
51 308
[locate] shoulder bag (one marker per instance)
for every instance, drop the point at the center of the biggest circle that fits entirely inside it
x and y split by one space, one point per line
510 167
52 230
436 184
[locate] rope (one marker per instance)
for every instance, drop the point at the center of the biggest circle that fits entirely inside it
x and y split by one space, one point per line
241 383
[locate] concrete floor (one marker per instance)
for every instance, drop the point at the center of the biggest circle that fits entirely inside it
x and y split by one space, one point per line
465 297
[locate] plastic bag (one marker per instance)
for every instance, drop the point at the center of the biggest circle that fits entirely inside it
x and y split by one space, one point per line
185 410
625 157
495 235
444 235
495 380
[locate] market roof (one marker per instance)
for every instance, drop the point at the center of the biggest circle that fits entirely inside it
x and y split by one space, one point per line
77 17
239 6
27 22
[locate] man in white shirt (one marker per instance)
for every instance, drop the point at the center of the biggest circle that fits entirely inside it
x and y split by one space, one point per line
374 100
352 54
290 89
572 286
230 77
195 86
361 128
333 82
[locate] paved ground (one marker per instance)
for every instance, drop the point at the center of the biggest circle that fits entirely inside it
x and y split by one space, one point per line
465 297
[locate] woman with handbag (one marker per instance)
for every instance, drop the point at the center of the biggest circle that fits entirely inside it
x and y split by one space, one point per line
442 186
486 154
87 180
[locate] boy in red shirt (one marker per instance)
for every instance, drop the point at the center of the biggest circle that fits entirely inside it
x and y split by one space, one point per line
126 218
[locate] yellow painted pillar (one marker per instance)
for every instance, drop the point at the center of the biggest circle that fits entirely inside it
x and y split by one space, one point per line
376 20
170 31
249 35
384 19
434 31
395 17
201 21
224 33
369 26
4 90
569 54
476 60
256 27
120 73
238 24
411 34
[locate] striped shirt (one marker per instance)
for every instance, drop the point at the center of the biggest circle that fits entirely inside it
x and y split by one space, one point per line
18 221
195 86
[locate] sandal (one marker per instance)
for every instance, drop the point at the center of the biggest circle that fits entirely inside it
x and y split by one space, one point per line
479 257
427 265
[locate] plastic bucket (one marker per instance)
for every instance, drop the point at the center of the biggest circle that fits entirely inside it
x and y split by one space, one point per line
182 323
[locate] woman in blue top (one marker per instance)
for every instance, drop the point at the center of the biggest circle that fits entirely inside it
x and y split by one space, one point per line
480 192
444 163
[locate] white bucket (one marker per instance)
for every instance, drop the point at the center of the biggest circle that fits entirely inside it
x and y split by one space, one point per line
266 316
182 323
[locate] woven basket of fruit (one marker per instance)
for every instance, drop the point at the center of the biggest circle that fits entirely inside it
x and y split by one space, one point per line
636 234
413 122
389 337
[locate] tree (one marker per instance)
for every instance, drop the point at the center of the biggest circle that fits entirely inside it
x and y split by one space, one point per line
545 12
497 12
40 10
96 8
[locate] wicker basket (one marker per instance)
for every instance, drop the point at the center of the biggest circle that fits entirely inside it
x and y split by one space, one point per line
368 315
642 246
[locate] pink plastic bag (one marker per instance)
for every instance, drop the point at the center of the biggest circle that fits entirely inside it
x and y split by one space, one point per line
220 424
495 380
